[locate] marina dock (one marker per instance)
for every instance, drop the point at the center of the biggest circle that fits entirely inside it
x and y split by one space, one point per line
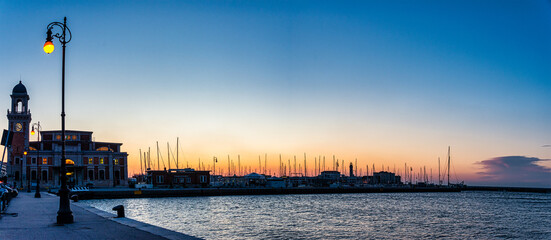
35 218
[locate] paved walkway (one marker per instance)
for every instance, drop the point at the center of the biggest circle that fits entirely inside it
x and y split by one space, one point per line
34 218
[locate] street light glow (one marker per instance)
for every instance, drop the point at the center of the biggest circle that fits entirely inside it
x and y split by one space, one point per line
48 47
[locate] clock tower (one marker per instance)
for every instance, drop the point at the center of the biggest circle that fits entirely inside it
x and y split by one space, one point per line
19 119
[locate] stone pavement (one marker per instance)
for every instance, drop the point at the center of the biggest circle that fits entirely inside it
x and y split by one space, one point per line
35 218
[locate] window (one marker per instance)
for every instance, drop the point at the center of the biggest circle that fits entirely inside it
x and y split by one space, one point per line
90 161
33 160
203 179
44 161
160 179
19 106
33 175
74 137
91 174
58 137
101 161
44 175
115 161
104 149
16 160
101 175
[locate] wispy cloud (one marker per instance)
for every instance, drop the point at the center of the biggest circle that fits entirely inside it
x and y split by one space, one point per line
515 171
546 145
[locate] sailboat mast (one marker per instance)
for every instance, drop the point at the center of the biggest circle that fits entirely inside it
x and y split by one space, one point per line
141 169
177 150
305 173
158 162
439 182
280 165
448 165
168 153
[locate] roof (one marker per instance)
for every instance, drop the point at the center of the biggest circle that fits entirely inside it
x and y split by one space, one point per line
255 176
19 89
66 131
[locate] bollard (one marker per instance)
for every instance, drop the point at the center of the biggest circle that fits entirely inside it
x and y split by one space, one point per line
120 211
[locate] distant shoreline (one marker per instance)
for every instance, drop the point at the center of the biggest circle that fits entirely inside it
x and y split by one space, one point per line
507 189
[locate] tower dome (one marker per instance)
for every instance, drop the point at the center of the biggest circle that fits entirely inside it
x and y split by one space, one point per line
19 89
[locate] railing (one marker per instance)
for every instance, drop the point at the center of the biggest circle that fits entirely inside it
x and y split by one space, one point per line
28 111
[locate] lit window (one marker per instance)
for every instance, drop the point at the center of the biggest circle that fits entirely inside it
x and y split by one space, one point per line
74 137
44 161
58 137
115 161
90 161
104 149
101 161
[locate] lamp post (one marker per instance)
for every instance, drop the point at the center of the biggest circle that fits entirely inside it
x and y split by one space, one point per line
38 129
28 178
64 214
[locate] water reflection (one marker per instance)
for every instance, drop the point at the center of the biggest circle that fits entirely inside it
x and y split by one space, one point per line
464 215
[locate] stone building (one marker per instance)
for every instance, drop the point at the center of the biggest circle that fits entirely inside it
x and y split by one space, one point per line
100 164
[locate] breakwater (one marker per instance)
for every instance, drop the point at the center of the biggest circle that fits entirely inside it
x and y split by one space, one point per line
507 189
193 192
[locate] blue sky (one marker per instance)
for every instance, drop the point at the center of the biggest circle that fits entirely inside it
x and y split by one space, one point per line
386 82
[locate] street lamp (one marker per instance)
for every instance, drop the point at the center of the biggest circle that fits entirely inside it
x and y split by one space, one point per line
64 214
28 178
38 129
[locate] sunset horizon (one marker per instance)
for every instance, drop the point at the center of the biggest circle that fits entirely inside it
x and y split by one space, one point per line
385 84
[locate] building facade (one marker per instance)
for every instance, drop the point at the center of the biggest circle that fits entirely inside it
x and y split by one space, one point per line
178 178
89 163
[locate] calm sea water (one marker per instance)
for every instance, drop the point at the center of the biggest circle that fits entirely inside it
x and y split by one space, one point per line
465 215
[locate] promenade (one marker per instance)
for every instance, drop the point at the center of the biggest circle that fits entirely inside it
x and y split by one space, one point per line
35 218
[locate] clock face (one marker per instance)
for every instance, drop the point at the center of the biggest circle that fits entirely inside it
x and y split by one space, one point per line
18 127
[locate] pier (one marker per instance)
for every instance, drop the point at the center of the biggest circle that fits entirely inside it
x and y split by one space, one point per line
35 218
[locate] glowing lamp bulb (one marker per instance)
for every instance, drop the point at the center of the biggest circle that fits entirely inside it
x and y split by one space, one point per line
48 47
25 153
32 132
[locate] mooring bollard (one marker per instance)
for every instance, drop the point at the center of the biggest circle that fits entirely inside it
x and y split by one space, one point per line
120 211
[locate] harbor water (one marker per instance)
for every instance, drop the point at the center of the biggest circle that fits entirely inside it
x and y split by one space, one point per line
455 215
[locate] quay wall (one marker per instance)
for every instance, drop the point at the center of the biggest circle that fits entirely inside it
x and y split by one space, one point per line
193 192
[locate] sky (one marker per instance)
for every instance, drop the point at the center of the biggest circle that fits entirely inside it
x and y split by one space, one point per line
385 82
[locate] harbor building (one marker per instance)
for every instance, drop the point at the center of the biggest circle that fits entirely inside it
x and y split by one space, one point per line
187 177
89 162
